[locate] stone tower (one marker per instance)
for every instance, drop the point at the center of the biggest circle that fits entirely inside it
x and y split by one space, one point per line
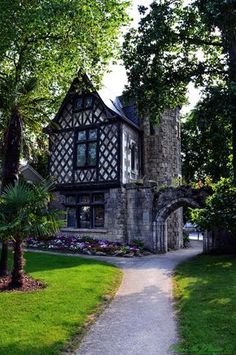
162 164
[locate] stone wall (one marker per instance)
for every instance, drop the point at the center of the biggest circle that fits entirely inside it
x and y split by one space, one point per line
162 149
140 214
175 230
115 228
162 164
116 214
219 242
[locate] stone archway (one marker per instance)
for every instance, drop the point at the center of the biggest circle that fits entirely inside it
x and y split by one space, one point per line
168 200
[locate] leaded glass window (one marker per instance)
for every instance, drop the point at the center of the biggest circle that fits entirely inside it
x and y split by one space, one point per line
85 210
71 200
98 216
85 217
71 217
86 148
82 136
92 154
79 104
133 156
81 155
88 102
83 103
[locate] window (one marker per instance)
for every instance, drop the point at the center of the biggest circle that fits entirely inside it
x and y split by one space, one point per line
71 217
85 210
84 103
86 148
133 157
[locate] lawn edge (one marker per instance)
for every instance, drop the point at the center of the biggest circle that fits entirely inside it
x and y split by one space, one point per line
74 343
177 347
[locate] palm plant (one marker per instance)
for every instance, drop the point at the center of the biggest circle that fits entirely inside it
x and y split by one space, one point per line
23 212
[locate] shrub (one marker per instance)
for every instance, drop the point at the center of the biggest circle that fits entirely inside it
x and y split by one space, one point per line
220 210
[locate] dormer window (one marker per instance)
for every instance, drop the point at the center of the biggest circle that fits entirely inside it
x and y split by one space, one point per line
86 148
84 103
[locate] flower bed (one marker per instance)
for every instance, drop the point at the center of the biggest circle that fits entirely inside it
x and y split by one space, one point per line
86 246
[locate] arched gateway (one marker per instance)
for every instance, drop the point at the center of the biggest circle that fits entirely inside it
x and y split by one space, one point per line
167 201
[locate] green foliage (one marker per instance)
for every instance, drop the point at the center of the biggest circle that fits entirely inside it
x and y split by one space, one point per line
24 211
40 163
186 239
179 42
207 138
174 44
220 210
43 45
44 322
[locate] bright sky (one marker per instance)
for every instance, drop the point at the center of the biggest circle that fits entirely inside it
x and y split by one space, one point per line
116 79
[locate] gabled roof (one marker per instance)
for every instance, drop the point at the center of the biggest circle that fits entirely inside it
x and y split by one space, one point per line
127 110
30 173
113 103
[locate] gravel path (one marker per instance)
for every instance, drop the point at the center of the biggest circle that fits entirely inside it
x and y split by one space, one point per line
141 319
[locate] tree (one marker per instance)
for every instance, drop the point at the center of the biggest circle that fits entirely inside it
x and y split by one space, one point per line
40 163
177 43
207 138
10 169
43 45
23 212
220 210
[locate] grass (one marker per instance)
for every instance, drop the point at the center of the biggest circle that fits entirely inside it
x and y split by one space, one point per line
43 322
205 293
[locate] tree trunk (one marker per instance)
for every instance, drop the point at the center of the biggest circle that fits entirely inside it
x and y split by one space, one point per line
10 169
3 261
17 276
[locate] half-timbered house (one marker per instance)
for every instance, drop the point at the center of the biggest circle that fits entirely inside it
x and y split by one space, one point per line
107 162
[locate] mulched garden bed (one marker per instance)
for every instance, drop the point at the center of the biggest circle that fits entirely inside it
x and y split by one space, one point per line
30 284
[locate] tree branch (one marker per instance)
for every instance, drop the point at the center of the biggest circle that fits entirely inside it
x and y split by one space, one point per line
201 41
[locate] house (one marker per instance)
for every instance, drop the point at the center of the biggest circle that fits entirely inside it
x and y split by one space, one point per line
30 174
108 163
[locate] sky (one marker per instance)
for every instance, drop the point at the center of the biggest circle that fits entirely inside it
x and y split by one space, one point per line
116 79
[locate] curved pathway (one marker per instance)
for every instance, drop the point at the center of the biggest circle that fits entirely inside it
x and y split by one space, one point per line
141 318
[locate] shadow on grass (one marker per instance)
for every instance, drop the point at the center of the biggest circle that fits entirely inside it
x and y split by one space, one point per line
42 322
43 261
205 290
15 348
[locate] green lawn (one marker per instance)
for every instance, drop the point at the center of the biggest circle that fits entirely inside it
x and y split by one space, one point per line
43 322
205 291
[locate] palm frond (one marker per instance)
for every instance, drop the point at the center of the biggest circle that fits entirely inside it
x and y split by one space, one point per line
17 196
24 211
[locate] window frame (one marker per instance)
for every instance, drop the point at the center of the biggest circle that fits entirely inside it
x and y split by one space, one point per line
90 203
133 157
83 107
87 142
